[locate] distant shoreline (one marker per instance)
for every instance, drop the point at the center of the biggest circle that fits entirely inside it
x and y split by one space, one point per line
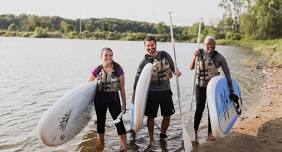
269 51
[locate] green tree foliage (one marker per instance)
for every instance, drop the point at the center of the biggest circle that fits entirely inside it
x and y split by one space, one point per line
40 32
161 28
12 27
233 10
65 27
263 20
32 22
89 26
94 28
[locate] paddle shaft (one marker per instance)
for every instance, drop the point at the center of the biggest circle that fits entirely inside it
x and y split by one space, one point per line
185 135
195 65
175 61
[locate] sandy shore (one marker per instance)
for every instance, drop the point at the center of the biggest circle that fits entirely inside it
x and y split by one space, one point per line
259 130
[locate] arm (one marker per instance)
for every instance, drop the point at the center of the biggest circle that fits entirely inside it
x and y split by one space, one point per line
194 59
91 77
170 61
192 64
171 65
226 72
122 93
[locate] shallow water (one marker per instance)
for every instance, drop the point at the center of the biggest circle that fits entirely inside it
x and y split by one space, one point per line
36 72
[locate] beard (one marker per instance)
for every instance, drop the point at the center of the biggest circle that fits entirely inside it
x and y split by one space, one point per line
151 51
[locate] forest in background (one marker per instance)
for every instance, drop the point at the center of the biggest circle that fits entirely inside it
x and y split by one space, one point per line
250 23
242 19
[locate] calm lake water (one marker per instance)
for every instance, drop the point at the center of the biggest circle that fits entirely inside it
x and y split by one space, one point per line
36 72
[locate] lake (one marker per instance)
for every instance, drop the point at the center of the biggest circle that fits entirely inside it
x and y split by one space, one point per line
36 72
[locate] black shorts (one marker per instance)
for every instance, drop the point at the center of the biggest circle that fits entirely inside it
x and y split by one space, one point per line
162 98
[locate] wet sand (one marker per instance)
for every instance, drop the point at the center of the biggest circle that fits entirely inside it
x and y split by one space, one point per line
260 129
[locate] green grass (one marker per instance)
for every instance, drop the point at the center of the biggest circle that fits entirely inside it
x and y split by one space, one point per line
270 51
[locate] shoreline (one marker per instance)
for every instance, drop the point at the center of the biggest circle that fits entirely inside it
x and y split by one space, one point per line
260 128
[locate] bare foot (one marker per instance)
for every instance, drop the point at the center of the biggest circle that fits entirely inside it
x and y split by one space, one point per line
211 138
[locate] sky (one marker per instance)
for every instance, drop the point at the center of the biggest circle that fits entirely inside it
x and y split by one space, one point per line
184 12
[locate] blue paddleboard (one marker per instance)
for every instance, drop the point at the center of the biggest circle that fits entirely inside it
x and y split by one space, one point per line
223 112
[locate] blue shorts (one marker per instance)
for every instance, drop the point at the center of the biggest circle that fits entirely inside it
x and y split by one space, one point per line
159 98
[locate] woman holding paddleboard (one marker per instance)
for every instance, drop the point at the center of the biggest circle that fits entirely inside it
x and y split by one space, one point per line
209 61
110 80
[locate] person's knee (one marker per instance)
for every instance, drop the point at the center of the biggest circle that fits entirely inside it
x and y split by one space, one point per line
120 128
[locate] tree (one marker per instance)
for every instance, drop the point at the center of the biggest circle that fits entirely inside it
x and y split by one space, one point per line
12 27
233 10
160 28
89 26
65 27
40 32
45 23
32 22
263 20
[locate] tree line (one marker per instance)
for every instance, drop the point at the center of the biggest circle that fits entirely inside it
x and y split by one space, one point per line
252 19
96 28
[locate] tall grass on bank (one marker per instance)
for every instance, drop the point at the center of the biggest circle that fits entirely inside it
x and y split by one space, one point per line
270 51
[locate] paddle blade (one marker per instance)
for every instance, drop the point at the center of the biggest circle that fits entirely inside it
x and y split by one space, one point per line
190 129
186 138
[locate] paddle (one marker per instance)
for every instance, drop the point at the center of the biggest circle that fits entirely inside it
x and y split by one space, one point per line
186 131
195 76
118 119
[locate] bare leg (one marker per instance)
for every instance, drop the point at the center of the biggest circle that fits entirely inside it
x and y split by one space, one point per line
123 142
101 138
196 135
150 125
165 124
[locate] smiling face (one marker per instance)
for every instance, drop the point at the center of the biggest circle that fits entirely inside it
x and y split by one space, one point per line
210 46
107 56
150 47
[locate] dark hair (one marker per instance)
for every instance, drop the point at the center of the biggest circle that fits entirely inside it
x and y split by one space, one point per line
150 38
108 49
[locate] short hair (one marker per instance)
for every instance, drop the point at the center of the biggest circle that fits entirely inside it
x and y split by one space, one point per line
106 49
209 38
150 38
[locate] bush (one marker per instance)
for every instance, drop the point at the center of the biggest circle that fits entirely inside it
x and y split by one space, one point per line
72 35
40 32
233 36
26 34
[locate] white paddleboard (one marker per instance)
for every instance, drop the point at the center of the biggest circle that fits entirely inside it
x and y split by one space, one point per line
223 114
68 116
140 99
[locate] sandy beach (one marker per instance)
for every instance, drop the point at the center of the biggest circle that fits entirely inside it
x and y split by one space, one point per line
260 129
